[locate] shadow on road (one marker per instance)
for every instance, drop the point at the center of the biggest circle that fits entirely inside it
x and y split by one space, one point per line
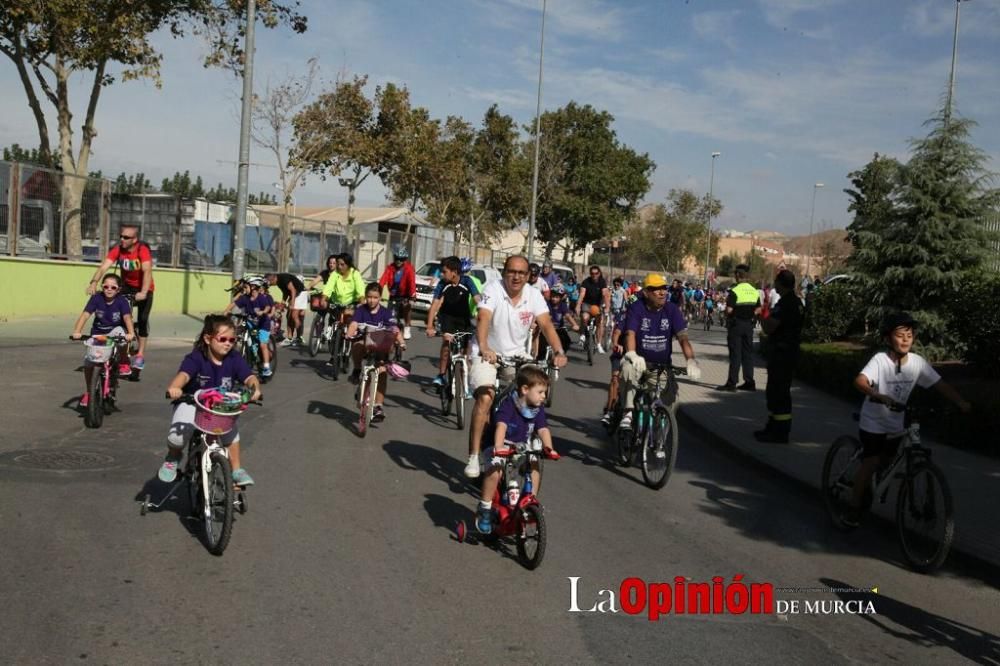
436 463
172 498
923 628
343 416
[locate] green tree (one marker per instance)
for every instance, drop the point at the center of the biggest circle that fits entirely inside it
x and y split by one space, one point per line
676 230
589 183
727 264
14 153
107 40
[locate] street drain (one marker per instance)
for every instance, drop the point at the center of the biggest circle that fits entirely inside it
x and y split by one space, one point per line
64 461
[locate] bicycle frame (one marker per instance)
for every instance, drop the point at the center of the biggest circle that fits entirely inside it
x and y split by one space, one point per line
516 465
457 356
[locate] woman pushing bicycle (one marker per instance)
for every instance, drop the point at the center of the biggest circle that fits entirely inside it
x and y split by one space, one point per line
111 311
214 363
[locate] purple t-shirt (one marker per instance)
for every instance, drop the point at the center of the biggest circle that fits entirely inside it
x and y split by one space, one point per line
383 317
551 279
248 305
205 374
107 316
519 429
558 314
654 329
619 324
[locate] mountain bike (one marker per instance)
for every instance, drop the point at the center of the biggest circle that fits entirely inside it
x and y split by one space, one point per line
925 513
519 514
590 340
209 475
249 345
552 372
339 346
654 435
456 384
321 330
708 320
102 390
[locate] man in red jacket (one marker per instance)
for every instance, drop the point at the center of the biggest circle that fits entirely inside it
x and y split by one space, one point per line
401 280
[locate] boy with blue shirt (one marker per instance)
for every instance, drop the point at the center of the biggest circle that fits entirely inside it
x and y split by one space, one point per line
516 419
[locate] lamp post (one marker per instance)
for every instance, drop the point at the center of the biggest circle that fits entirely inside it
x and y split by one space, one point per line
954 63
243 169
538 138
812 214
708 241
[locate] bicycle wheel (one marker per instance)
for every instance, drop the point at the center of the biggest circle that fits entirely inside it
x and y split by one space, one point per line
591 334
659 453
552 374
445 392
316 334
219 518
460 395
108 404
94 416
531 536
335 345
623 441
837 483
274 355
925 518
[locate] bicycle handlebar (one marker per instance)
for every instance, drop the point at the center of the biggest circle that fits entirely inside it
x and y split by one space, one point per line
188 398
83 338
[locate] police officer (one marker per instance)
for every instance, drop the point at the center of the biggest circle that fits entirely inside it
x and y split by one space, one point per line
784 332
742 306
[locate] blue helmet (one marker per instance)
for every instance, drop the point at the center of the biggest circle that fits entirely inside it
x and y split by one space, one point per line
466 265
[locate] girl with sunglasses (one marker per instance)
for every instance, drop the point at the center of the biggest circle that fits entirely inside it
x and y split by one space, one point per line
111 311
214 363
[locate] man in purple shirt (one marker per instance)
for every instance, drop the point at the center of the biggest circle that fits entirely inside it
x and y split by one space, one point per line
550 276
650 326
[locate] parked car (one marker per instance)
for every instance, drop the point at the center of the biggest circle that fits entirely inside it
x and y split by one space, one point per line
429 274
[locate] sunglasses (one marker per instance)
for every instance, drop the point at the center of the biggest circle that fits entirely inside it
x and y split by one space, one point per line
126 237
224 339
110 287
517 273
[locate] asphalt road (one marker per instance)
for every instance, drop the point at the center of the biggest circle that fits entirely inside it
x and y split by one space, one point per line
348 552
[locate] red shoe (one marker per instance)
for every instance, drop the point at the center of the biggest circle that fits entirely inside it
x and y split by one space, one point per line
124 369
552 455
85 400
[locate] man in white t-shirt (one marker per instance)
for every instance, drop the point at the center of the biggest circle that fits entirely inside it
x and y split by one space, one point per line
887 381
507 310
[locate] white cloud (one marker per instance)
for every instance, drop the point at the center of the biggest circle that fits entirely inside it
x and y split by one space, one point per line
717 26
591 19
929 19
780 13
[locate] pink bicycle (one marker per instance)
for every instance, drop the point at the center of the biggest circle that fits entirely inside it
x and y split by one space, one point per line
102 390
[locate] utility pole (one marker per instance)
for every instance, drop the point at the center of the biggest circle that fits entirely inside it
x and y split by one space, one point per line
239 224
538 139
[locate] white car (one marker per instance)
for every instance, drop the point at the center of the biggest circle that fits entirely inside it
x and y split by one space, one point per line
429 275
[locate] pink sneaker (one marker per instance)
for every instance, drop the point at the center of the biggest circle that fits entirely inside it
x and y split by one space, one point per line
124 369
85 400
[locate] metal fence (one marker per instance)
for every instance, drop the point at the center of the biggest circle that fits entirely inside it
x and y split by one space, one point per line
992 226
33 223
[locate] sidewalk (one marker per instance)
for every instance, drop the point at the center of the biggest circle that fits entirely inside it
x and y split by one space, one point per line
165 329
819 419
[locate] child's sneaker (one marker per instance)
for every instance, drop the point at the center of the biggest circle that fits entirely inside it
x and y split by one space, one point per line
168 471
438 381
124 369
138 362
626 422
241 478
484 519
606 419
85 400
378 414
472 469
266 371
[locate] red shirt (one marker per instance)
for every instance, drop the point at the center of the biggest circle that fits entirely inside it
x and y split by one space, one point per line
129 262
407 282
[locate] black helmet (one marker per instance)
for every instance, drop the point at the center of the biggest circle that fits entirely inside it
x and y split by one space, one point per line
895 320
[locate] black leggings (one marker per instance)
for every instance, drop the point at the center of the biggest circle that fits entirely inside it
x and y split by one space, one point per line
142 314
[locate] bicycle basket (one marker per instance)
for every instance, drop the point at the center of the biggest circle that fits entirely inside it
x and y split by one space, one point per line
216 421
380 340
100 349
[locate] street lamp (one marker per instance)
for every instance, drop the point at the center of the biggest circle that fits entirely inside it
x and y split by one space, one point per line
954 62
708 242
538 138
812 214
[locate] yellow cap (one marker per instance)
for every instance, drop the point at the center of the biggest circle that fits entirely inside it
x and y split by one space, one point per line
654 280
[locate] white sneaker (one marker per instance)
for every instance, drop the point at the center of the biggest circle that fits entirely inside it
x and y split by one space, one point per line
472 469
626 422
287 342
406 333
600 349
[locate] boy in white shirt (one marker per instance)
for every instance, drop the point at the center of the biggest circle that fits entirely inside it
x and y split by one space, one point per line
887 381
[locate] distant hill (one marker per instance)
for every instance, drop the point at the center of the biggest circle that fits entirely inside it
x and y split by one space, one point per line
800 244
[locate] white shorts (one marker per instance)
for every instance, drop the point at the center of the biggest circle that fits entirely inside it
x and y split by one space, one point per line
483 374
182 427
301 301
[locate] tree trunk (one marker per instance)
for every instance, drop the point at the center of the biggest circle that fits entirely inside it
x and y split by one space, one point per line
549 247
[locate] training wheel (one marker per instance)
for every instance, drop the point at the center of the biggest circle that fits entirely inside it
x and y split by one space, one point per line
144 507
460 531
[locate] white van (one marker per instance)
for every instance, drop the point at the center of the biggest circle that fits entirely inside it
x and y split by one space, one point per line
429 274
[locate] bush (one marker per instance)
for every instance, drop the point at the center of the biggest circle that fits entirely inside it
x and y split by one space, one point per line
833 312
974 322
832 367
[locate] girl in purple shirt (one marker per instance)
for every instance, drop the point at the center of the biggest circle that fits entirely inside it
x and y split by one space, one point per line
372 315
111 311
213 363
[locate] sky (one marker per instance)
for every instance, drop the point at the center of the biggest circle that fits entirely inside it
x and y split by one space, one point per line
790 92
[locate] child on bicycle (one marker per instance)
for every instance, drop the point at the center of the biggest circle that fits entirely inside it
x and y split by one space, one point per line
562 318
516 419
110 310
887 381
452 305
617 351
256 300
372 315
213 363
